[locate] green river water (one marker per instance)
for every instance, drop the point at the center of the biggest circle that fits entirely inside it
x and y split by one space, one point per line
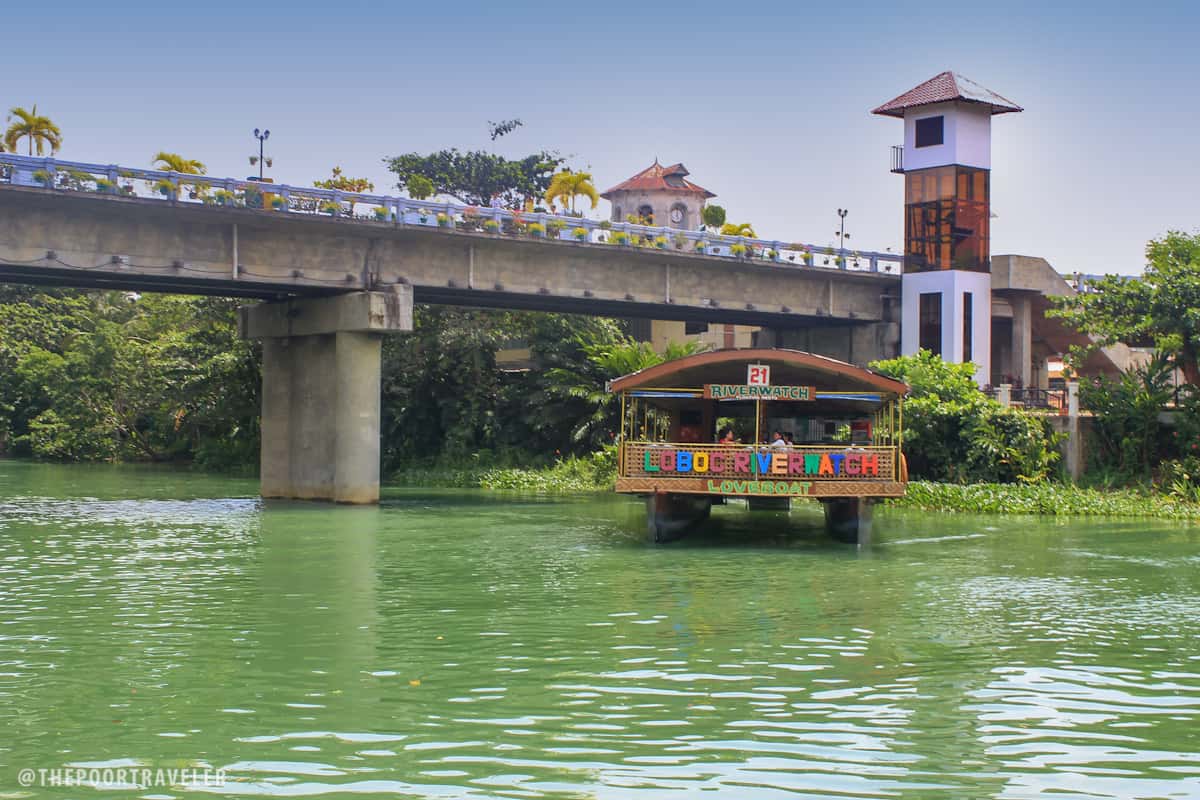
456 644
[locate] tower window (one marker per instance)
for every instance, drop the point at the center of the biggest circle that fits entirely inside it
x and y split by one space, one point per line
930 325
930 131
967 325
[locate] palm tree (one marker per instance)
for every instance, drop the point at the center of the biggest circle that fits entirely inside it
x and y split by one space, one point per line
739 229
38 130
173 162
566 186
605 361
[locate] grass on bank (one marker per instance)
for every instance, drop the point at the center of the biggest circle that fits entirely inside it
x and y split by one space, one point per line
1047 499
596 473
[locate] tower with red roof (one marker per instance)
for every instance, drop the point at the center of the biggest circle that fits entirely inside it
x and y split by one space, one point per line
660 195
946 163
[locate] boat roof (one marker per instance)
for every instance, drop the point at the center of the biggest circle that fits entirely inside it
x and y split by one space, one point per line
788 368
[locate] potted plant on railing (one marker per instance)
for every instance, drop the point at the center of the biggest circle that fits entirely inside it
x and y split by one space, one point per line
443 220
554 228
279 203
252 197
857 262
661 242
43 177
223 197
699 245
165 188
773 255
620 237
828 255
105 186
806 256
470 219
580 234
382 213
331 207
423 216
680 241
537 230
738 250
840 262
491 225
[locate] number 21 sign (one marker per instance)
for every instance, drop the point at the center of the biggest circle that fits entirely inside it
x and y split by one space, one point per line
758 375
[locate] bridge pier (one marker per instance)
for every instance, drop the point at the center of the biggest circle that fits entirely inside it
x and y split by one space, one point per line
321 391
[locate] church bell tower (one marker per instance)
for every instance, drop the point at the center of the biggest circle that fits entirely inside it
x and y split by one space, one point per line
946 163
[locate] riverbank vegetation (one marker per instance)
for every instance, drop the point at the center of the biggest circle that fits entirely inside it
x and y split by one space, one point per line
954 433
1044 498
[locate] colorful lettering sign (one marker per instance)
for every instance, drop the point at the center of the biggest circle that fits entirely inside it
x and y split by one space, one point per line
774 462
733 391
758 487
758 375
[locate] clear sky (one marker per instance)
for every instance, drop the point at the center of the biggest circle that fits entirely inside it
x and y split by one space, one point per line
767 103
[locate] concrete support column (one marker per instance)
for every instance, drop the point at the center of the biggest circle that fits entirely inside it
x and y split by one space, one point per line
848 519
321 392
320 418
1022 339
1074 443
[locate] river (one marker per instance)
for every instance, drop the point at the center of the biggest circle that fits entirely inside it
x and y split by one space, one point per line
454 644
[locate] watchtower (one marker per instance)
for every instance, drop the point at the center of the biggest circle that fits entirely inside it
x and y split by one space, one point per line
946 163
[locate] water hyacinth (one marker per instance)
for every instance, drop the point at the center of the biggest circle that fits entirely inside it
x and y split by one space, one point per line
1042 498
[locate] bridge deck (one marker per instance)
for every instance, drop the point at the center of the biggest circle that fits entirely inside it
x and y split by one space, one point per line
79 238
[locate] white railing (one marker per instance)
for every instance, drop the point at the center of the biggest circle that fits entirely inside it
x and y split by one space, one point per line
177 188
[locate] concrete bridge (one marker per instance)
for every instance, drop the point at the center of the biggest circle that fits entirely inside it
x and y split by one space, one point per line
338 269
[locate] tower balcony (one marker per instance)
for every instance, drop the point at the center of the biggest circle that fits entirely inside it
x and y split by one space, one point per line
898 159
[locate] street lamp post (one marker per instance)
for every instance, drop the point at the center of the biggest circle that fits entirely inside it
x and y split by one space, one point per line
842 235
262 137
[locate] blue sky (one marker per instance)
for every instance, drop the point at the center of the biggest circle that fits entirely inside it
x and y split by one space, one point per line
767 103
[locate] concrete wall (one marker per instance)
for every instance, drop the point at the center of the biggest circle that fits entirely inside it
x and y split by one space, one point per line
951 284
662 202
854 344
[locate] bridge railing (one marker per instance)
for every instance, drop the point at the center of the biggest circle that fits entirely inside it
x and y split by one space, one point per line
183 189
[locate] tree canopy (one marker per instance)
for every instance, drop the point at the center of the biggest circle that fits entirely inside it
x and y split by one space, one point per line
713 216
344 183
173 162
1161 308
738 229
567 185
39 131
476 177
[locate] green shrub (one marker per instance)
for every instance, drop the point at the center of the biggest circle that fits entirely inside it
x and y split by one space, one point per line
955 433
1129 436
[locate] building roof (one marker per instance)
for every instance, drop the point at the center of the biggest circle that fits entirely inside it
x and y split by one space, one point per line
944 88
657 178
729 366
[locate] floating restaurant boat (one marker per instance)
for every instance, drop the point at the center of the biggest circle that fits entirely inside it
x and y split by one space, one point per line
844 423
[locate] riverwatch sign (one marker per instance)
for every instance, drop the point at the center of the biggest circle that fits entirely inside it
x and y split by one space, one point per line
733 391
